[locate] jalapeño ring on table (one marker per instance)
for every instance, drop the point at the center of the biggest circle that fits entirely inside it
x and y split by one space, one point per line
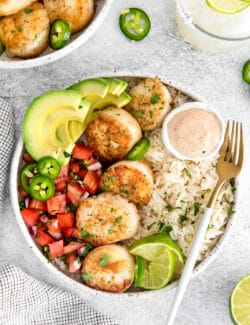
134 23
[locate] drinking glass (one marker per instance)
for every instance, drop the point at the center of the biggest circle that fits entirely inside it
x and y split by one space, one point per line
209 30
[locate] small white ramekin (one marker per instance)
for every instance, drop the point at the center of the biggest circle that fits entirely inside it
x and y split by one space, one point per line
184 107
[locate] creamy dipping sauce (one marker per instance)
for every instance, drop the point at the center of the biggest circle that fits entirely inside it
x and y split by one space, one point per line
194 132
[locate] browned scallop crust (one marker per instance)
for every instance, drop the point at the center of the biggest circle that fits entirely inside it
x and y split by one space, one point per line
107 218
112 134
150 103
131 179
76 12
10 7
116 276
25 34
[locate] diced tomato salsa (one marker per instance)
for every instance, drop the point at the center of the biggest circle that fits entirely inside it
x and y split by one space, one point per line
52 223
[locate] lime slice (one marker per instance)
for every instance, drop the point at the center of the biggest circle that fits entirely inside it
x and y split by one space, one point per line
240 302
227 6
141 247
161 258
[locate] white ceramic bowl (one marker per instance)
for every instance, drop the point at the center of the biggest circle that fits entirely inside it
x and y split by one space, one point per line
77 287
76 40
182 108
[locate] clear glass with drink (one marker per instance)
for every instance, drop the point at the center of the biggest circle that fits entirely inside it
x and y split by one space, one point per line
214 25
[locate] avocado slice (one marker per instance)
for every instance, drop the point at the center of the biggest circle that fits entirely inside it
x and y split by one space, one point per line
111 100
95 86
55 120
116 86
62 133
75 129
39 111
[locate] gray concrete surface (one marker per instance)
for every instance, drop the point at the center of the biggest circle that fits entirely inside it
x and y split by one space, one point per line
217 79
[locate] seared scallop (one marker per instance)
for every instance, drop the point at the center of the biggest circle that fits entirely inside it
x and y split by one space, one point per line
26 33
109 268
76 12
150 103
106 218
132 179
113 133
10 7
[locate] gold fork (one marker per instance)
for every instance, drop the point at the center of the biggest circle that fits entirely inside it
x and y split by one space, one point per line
228 166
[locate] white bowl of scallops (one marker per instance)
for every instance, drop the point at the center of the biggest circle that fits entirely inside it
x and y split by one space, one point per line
99 198
33 33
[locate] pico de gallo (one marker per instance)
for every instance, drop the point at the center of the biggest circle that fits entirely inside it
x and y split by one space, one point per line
50 195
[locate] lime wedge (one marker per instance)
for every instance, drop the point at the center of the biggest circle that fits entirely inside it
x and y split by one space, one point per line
227 6
240 302
141 247
161 258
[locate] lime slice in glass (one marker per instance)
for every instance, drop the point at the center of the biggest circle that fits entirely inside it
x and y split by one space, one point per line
227 6
161 258
240 302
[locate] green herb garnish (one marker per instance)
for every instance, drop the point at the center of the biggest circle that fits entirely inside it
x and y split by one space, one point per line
117 220
187 172
164 228
104 261
85 234
86 276
155 98
28 10
66 154
196 208
151 225
111 231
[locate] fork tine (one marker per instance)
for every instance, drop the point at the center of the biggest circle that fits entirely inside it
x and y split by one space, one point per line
241 150
236 144
223 149
231 144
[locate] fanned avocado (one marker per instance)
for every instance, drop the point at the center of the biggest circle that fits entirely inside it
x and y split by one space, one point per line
111 100
95 86
116 86
39 113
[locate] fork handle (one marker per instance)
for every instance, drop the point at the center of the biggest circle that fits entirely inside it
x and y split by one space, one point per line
189 265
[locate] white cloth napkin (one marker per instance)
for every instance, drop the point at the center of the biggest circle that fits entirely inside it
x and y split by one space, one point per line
23 299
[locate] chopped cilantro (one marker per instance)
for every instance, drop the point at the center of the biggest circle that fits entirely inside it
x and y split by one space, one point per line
193 222
28 10
111 231
117 220
230 212
20 29
170 208
196 208
85 234
104 261
124 191
183 219
86 276
112 209
187 172
151 225
151 113
66 154
155 98
164 228
139 112
233 189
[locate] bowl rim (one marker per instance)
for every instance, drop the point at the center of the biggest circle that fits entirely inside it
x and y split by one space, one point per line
185 107
80 288
58 54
